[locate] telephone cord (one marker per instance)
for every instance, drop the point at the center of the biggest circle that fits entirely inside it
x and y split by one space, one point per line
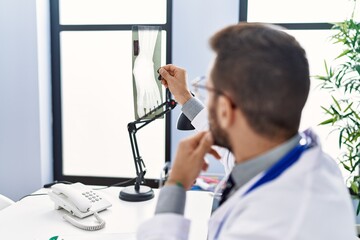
77 224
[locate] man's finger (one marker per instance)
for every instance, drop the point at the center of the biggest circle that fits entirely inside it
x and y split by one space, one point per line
195 139
214 153
170 68
205 165
205 144
165 75
163 82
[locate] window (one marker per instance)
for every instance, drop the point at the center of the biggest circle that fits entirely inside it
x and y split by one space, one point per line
305 11
92 88
310 23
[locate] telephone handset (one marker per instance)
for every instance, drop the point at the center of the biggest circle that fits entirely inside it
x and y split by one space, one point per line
78 199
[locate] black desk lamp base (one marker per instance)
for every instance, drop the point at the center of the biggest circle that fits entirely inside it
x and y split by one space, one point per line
131 195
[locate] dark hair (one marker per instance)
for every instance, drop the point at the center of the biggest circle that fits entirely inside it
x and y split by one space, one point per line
265 72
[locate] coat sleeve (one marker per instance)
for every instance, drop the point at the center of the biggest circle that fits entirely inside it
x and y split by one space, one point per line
200 122
166 226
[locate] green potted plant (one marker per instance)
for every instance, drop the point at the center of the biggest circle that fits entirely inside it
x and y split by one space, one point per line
342 81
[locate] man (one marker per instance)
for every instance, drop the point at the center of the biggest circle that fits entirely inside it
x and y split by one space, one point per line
282 185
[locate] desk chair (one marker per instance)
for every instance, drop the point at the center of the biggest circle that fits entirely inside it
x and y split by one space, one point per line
5 202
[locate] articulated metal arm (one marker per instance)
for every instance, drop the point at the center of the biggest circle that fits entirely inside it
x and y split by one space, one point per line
134 126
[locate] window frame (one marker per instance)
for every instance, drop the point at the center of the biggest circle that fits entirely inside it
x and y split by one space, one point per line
243 17
55 30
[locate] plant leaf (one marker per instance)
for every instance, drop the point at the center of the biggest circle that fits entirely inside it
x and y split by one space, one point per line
335 112
345 166
357 67
326 68
327 110
343 53
330 120
341 136
336 102
348 107
355 188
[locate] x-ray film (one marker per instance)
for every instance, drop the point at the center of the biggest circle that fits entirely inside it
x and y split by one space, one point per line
146 44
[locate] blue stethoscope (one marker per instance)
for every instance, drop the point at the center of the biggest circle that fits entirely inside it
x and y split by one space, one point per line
283 164
280 167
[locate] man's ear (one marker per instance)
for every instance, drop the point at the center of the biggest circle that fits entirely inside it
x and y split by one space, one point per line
225 112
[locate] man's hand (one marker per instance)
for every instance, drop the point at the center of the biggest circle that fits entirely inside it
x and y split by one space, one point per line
174 78
189 160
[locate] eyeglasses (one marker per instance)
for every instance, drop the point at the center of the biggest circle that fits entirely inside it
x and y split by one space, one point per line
200 90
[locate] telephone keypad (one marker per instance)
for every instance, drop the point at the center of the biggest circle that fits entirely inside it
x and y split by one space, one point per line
91 196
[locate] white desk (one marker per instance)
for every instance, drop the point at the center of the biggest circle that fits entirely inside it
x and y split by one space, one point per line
35 218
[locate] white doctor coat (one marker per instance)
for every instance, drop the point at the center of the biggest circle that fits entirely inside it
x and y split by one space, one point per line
308 201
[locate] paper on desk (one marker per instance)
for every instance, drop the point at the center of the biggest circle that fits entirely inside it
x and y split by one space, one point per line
95 236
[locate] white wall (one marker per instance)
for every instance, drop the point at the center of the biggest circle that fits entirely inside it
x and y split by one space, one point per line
194 22
44 78
25 148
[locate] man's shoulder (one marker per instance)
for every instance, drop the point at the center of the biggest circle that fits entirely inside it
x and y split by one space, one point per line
312 179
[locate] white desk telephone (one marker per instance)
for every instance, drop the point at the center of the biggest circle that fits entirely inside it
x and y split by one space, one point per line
81 201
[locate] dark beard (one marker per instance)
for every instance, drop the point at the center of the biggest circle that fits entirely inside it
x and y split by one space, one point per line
220 137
